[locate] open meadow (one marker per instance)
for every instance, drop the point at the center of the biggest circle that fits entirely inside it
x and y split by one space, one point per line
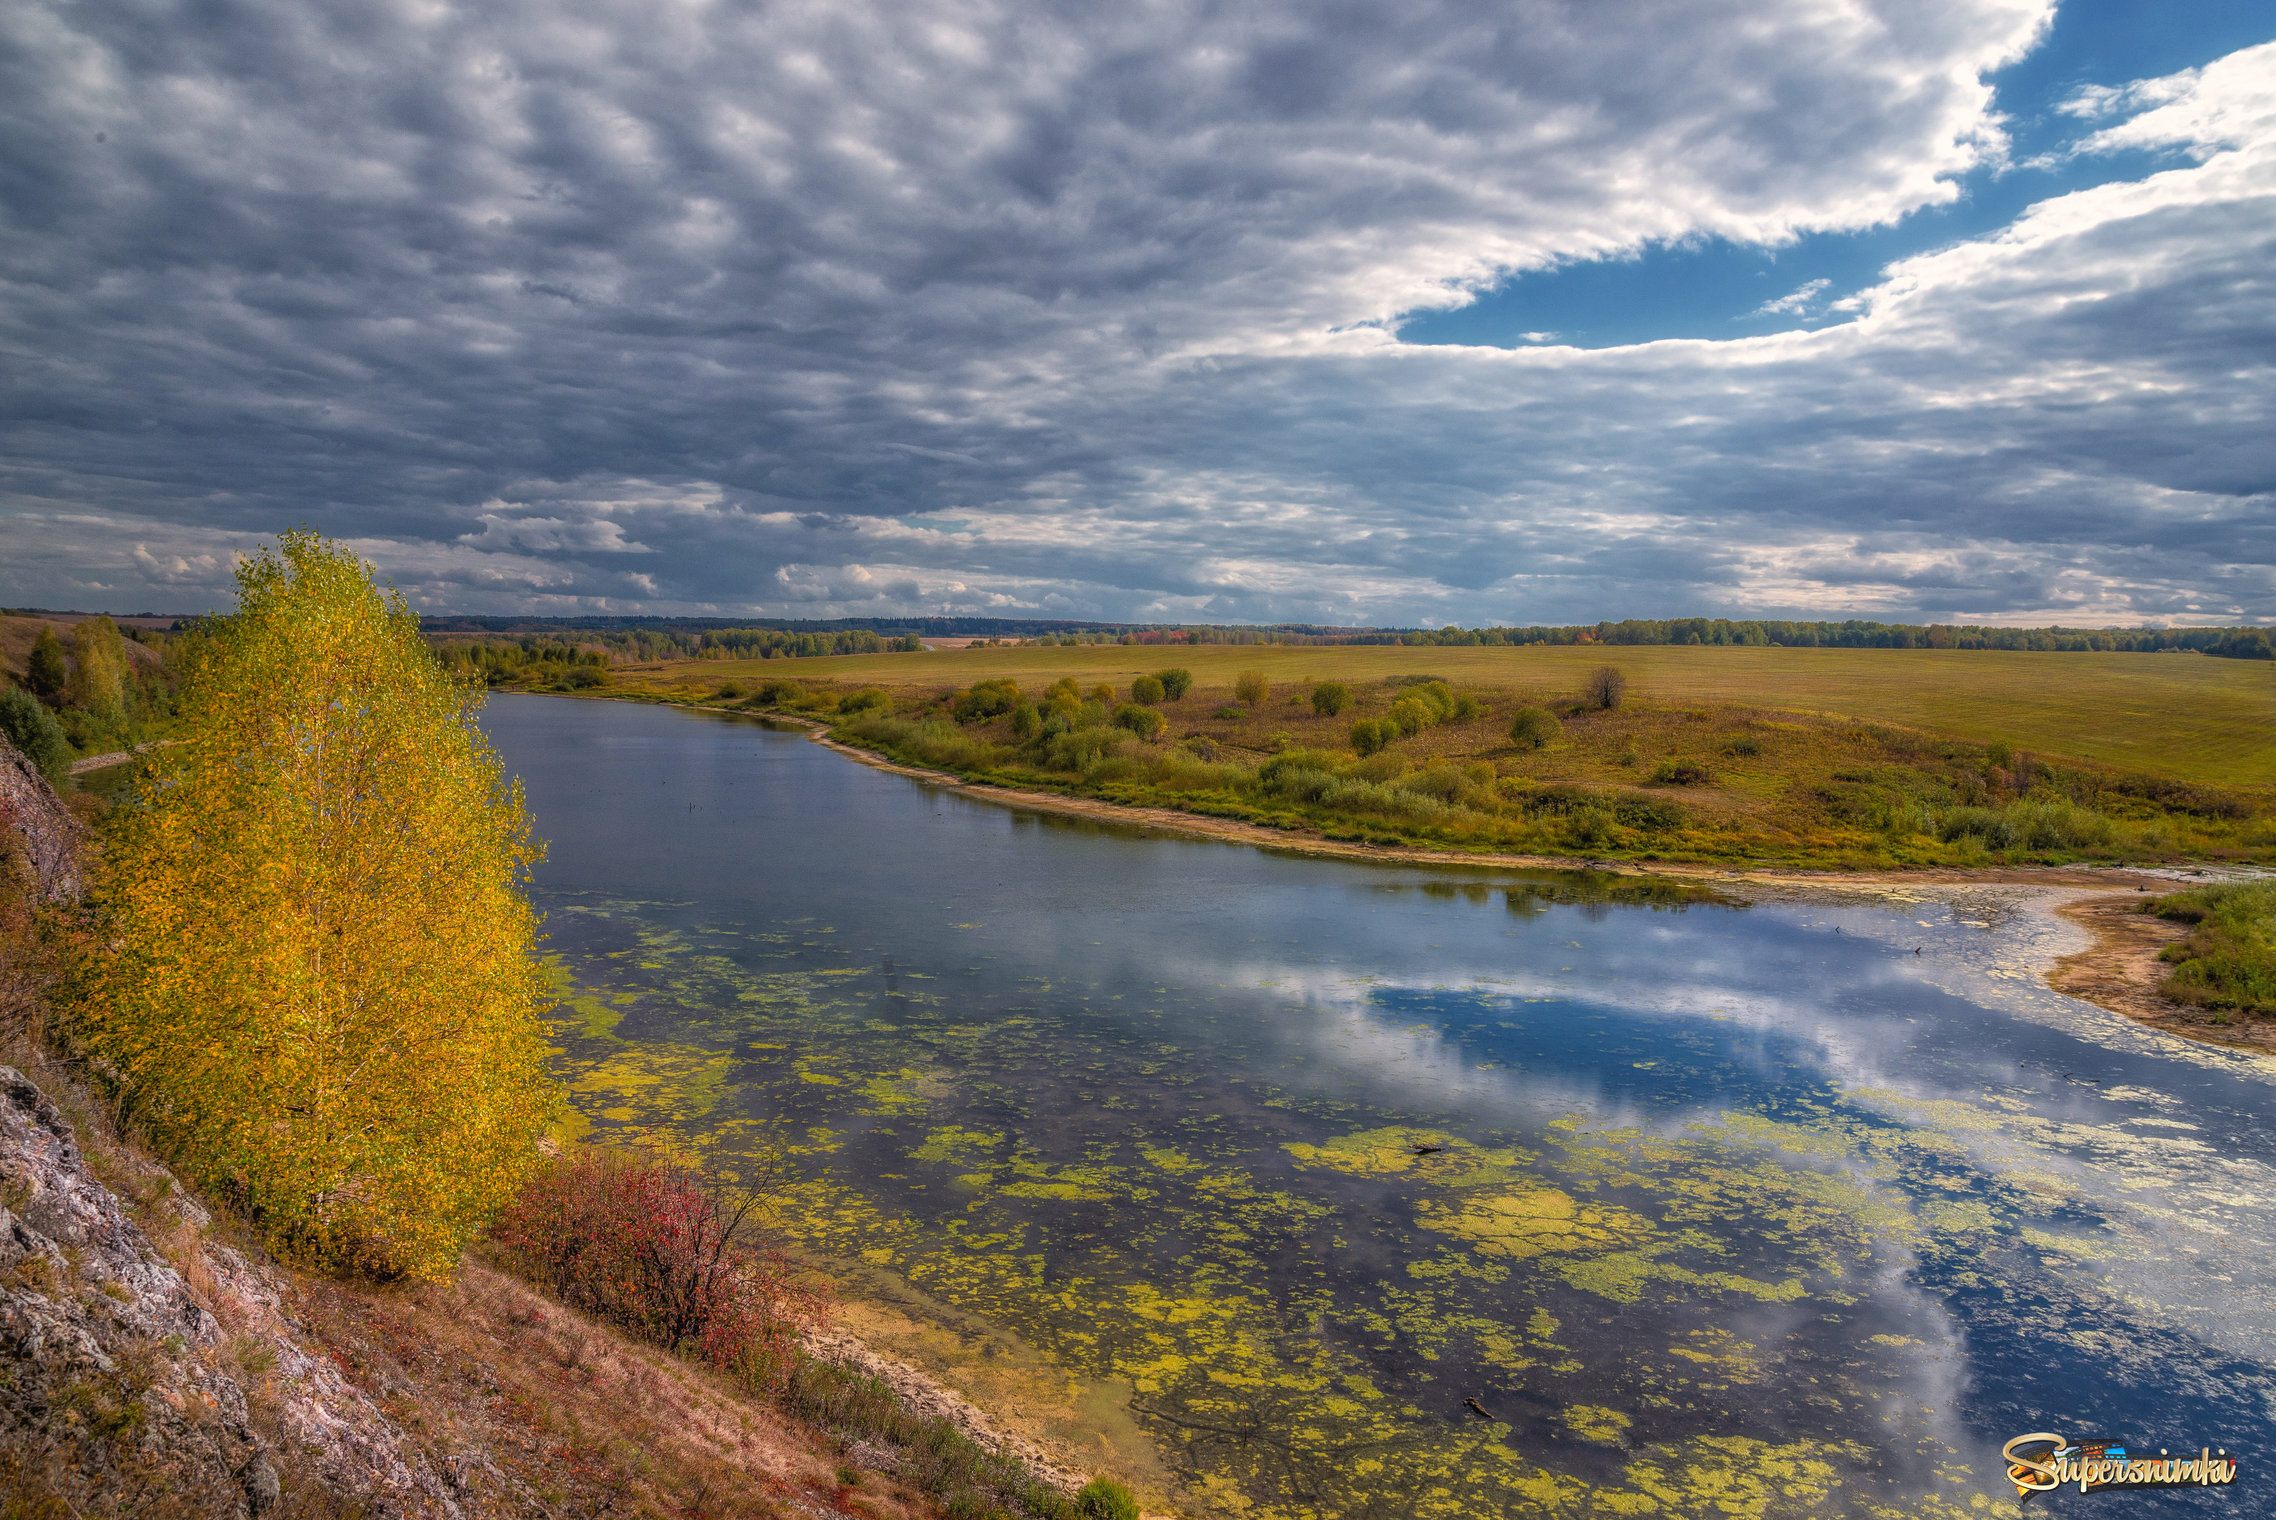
1825 756
2177 715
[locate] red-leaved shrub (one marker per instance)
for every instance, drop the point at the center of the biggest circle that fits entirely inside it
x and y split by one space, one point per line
666 1252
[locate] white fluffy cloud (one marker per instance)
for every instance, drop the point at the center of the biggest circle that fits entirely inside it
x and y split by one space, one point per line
1082 310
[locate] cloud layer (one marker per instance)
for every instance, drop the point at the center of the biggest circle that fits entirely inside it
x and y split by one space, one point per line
942 305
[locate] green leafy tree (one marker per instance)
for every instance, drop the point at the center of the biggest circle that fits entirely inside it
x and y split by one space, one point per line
1147 689
1534 728
1330 698
1251 687
34 731
97 685
1176 682
46 671
324 996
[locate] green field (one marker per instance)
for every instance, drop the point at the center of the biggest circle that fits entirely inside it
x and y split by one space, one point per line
2178 715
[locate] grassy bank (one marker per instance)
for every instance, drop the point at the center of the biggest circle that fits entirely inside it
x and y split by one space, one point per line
1841 758
2227 963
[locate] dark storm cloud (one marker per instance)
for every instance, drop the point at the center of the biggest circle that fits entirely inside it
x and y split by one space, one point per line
849 308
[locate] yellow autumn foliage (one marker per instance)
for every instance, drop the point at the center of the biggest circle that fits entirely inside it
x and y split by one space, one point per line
321 996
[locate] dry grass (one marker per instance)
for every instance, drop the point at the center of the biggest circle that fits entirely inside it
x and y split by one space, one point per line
18 634
533 1406
2187 717
1677 772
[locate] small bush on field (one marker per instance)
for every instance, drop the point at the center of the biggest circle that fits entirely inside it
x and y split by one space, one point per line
869 699
587 677
662 1252
2229 960
1371 734
1680 773
1330 698
778 693
1176 682
1534 728
1229 712
1604 688
1141 720
1744 744
1251 687
1147 690
986 699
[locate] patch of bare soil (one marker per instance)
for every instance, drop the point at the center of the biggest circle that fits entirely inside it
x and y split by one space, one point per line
2121 971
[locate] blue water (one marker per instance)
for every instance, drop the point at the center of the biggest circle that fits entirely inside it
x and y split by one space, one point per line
1709 1195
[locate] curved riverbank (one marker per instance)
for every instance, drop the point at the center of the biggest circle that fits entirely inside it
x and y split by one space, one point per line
2118 970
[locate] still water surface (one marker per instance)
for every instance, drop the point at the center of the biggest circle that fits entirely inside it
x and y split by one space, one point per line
1711 1207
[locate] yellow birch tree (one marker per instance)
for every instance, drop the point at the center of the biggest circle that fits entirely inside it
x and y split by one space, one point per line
321 996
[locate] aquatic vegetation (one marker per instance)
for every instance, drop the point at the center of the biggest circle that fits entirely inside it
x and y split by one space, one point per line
1390 1203
1167 1254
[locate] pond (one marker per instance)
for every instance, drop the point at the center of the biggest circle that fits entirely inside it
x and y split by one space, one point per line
1390 1191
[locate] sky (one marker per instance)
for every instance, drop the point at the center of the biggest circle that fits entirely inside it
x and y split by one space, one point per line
1534 311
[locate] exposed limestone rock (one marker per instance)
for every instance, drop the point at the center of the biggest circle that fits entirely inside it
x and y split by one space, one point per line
51 836
123 1389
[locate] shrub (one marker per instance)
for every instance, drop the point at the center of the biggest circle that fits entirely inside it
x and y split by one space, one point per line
1410 715
1680 773
868 699
1534 728
1650 814
663 1252
1147 690
2029 826
1330 698
1604 688
586 677
1176 682
323 1001
1103 695
1371 734
35 732
2229 959
1026 721
1744 744
1080 749
1251 687
1105 1499
1230 711
1141 720
778 692
985 700
1588 828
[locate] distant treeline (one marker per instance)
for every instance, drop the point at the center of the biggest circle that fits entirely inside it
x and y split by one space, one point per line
2233 643
605 640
